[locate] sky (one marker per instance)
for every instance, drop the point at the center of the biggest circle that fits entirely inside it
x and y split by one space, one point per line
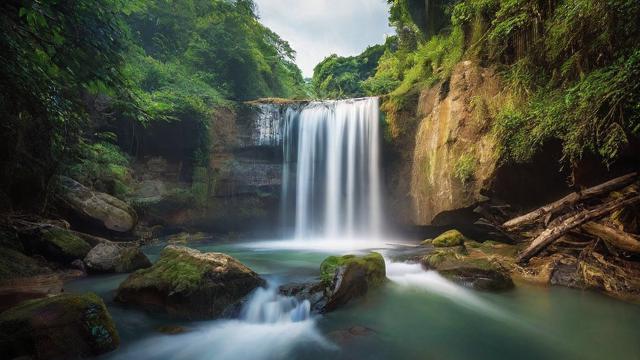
316 29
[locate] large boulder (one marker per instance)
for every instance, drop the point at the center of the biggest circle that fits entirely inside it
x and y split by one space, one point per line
59 327
349 277
55 244
111 257
190 284
97 207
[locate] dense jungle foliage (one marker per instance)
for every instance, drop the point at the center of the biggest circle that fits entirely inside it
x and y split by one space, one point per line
344 77
69 67
570 69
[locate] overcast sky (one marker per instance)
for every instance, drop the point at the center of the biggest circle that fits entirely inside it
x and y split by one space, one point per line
318 28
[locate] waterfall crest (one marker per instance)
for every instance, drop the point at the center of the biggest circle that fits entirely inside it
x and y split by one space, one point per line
331 184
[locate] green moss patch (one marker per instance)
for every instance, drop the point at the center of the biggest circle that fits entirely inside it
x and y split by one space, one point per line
174 269
449 238
66 243
373 263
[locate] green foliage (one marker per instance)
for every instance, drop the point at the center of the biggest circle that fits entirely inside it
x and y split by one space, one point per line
341 77
54 55
103 166
465 167
568 68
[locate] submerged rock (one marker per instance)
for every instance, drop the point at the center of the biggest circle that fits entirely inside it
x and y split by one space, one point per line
349 277
475 270
188 283
448 239
60 327
101 208
111 257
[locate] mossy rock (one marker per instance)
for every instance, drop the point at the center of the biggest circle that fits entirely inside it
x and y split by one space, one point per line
14 264
60 327
443 255
187 283
373 263
348 277
478 274
55 244
111 257
426 242
449 238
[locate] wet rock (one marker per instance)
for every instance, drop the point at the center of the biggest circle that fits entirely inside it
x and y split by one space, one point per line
59 327
111 257
474 269
448 239
99 208
190 284
79 265
313 291
478 276
349 277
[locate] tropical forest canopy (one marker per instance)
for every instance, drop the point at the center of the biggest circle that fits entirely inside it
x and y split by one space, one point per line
68 66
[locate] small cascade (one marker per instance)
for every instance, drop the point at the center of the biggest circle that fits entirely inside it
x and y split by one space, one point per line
331 169
266 306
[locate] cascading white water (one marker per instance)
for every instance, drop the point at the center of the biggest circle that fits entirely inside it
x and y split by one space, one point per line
266 306
335 148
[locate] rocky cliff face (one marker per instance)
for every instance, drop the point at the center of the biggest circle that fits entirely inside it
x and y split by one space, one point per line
451 157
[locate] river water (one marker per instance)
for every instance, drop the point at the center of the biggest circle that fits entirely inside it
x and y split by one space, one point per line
416 315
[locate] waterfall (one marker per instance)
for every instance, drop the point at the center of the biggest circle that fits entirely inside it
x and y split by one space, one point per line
331 168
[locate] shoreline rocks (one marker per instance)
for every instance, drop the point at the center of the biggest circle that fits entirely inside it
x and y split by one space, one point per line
187 283
98 208
111 257
59 327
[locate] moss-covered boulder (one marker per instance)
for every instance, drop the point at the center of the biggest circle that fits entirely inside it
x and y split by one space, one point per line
55 244
60 327
111 257
348 277
449 238
95 207
479 275
189 284
472 269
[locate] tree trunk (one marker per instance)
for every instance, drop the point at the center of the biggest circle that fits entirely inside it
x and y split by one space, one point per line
553 233
569 200
615 237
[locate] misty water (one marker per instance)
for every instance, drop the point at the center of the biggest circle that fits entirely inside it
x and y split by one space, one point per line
417 314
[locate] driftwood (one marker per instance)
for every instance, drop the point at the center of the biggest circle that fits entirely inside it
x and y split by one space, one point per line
612 236
569 200
553 233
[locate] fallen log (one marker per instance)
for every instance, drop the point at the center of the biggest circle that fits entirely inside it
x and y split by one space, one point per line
569 200
553 233
612 236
